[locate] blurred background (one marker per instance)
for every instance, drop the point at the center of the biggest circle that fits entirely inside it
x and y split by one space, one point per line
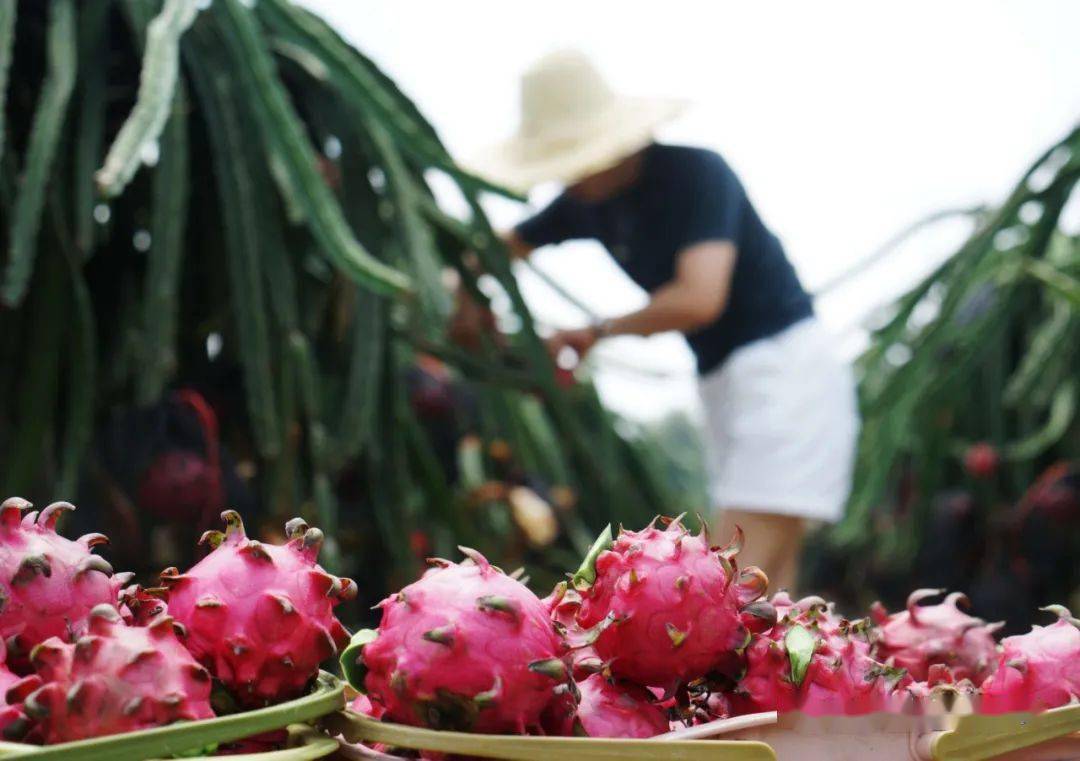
228 285
847 124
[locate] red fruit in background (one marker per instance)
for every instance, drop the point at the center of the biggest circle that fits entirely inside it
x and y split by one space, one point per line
420 544
565 378
981 460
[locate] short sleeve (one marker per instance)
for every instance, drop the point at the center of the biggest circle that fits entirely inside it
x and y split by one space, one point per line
560 221
715 202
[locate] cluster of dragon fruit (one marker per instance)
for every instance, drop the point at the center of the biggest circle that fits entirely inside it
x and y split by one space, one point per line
658 631
87 653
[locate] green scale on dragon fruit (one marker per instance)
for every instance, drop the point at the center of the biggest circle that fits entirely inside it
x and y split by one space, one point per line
48 584
115 678
663 608
260 616
465 647
814 661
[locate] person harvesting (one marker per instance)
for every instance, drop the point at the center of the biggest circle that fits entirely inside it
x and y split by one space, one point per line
780 407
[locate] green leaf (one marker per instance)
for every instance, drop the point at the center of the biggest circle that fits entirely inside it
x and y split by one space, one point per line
284 137
45 134
586 573
799 643
7 44
157 83
352 665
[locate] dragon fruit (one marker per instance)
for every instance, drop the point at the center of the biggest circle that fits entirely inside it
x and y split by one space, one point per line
664 607
1037 670
259 616
115 678
924 635
465 647
48 584
13 722
814 662
607 709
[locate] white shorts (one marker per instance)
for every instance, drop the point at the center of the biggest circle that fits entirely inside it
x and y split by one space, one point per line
781 422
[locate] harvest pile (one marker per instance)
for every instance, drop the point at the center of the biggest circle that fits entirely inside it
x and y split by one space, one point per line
659 630
247 626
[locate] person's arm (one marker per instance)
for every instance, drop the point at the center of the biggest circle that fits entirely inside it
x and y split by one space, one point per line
695 297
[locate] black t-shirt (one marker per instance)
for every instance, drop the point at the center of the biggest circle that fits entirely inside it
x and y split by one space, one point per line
682 197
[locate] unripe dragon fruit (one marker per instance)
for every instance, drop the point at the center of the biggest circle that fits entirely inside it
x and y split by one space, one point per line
924 635
465 647
48 584
115 678
1037 670
665 607
814 662
608 709
260 616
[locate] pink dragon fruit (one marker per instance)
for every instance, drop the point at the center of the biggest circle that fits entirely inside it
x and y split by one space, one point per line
924 635
563 605
465 647
814 662
48 584
666 608
607 709
260 616
13 722
115 678
1037 670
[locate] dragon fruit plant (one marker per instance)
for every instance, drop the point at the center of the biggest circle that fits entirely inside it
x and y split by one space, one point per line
115 678
260 616
465 647
610 709
664 607
814 661
1037 670
924 635
48 584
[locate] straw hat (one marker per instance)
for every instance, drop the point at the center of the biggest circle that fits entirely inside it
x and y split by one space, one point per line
572 125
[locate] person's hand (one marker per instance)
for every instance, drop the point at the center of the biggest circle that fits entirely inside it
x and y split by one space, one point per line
579 340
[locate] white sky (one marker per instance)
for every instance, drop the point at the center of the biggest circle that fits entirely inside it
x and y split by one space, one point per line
845 120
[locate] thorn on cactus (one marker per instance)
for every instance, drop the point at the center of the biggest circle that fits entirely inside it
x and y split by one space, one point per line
295 528
677 637
551 667
212 538
234 525
487 698
734 546
30 568
255 551
443 635
1062 613
93 563
51 514
495 603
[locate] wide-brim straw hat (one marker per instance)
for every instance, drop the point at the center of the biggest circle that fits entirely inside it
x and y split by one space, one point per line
572 125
